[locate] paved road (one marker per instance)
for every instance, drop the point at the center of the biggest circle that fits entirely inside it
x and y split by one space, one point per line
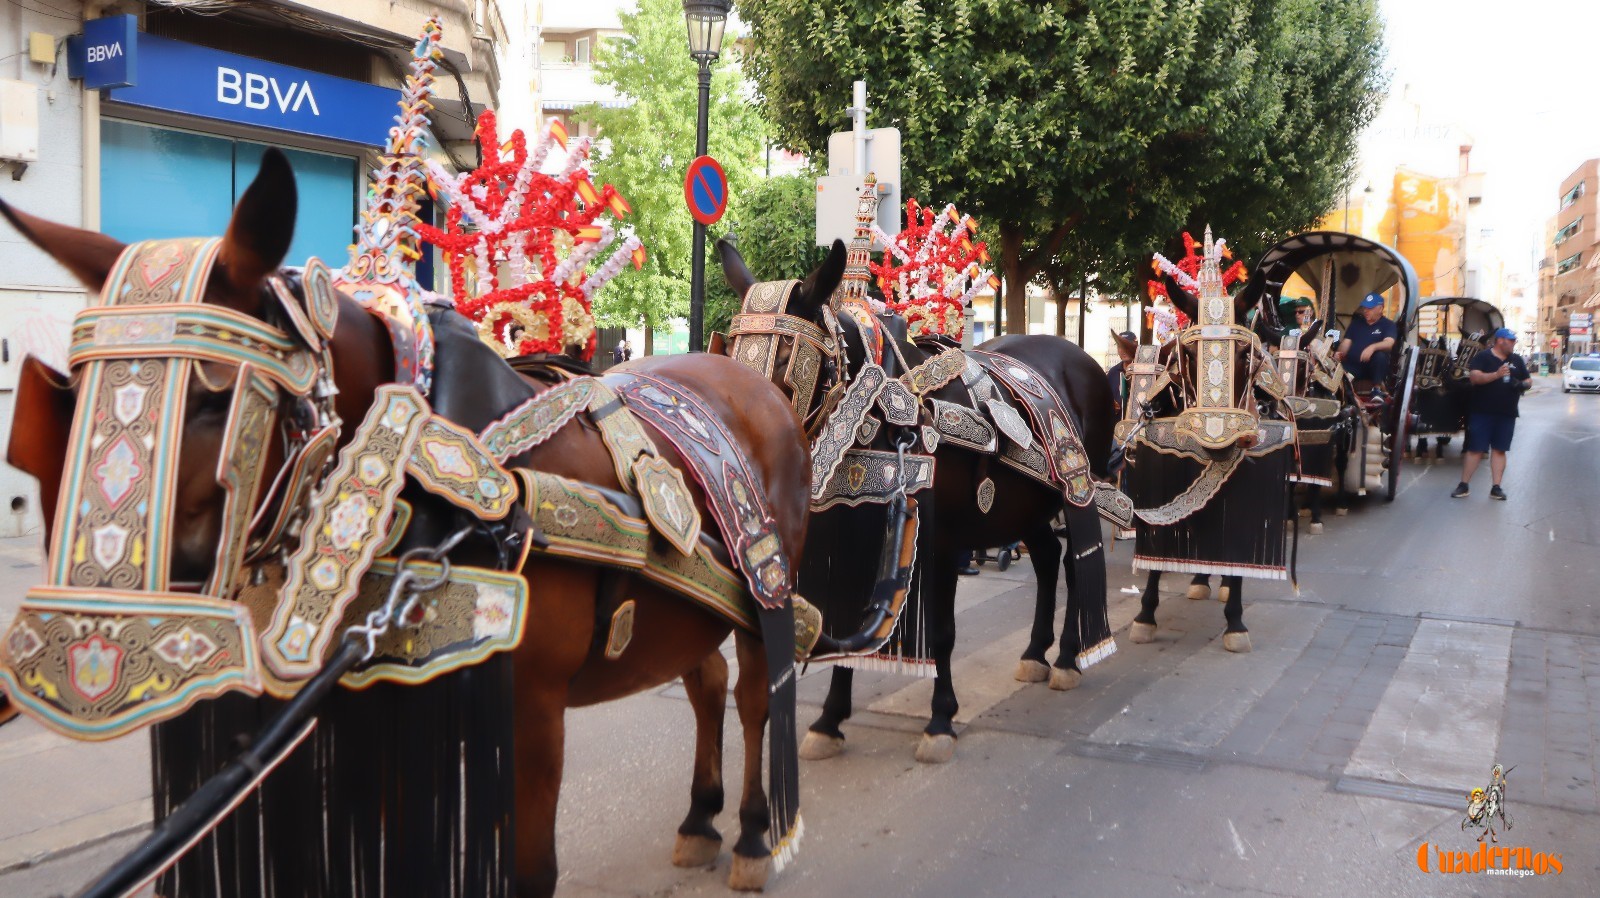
1430 639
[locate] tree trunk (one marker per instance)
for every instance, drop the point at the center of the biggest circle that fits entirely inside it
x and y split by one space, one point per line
1083 303
649 339
1016 276
1061 307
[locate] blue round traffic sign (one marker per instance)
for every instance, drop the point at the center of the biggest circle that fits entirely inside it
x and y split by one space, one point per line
705 189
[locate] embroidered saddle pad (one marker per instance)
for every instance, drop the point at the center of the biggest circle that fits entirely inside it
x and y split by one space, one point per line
1054 431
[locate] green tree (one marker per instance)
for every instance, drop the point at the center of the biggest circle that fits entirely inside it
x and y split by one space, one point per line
1105 120
776 233
650 143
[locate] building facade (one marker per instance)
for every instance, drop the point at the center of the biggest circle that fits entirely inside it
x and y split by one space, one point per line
1569 272
169 151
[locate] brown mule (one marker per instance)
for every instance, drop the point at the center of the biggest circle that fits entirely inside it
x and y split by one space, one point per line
381 746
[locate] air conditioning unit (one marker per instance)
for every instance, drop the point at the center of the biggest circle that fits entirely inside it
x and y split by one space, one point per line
19 121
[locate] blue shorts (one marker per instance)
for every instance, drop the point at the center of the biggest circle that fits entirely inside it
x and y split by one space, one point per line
1485 432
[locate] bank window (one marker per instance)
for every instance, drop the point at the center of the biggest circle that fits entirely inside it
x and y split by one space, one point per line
1569 263
1565 234
162 182
1572 195
580 54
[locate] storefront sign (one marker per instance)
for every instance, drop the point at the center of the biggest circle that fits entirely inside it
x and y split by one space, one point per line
181 77
106 54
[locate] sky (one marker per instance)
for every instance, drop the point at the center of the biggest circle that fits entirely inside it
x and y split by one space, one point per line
1520 79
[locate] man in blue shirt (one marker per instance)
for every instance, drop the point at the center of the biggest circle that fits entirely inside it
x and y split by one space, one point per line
1366 345
1499 378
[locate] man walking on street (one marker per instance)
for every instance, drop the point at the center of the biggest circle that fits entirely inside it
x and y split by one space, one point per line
1499 378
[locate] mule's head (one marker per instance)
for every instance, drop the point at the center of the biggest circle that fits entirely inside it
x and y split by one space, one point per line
184 402
787 330
1215 362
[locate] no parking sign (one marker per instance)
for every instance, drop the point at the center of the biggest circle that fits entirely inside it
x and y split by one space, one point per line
705 189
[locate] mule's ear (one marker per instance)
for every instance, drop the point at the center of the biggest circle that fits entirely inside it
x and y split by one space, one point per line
1183 300
740 280
1125 345
88 255
262 227
818 287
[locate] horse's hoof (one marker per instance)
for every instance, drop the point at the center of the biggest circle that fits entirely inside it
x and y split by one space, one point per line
1305 512
1199 591
749 874
1223 593
936 749
1031 671
695 851
1236 642
1340 512
1315 529
1064 678
820 746
1143 633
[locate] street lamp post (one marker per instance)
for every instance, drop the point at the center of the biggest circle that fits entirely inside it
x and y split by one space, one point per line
706 19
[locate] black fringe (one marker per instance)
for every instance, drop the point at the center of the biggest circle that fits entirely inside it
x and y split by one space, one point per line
783 750
400 791
1087 597
1240 531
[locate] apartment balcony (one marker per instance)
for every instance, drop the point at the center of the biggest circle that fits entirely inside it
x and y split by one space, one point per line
570 85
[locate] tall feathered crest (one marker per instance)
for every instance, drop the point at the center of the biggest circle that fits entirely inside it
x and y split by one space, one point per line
519 242
932 269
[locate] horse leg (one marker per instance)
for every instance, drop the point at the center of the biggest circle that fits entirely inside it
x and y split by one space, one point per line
540 743
752 860
1235 638
1200 587
1314 499
1066 675
1143 628
699 843
1044 550
938 743
824 739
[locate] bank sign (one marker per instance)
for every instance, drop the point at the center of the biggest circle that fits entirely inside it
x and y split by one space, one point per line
180 77
106 54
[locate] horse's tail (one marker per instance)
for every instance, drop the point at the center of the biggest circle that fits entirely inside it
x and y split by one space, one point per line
1086 600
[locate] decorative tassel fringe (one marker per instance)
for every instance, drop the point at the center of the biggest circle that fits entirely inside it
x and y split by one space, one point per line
890 663
1177 566
1097 653
788 846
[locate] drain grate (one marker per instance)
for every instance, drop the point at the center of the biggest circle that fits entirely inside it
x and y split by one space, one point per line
1427 795
1151 755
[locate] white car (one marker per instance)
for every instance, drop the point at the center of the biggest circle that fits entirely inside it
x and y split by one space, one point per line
1582 373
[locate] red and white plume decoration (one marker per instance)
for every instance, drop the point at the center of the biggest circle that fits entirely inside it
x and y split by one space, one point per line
519 243
932 269
1166 320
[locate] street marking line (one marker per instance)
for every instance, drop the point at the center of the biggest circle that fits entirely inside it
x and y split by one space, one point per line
1438 723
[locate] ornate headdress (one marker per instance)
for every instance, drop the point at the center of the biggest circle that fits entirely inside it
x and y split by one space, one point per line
528 238
930 270
381 274
1185 271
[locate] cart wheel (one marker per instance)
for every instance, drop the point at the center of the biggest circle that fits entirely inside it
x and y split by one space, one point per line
1401 420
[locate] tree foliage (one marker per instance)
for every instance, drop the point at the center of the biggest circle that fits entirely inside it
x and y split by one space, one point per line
1110 121
651 141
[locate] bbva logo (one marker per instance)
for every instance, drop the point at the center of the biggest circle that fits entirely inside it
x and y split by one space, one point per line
261 92
103 52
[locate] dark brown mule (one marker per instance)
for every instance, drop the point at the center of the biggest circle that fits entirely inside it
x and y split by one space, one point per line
1258 491
559 664
845 541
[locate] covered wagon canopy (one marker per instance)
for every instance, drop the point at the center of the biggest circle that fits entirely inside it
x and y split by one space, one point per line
1466 315
1360 266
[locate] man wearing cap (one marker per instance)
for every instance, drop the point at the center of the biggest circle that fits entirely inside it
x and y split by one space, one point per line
1499 378
1117 377
1366 345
